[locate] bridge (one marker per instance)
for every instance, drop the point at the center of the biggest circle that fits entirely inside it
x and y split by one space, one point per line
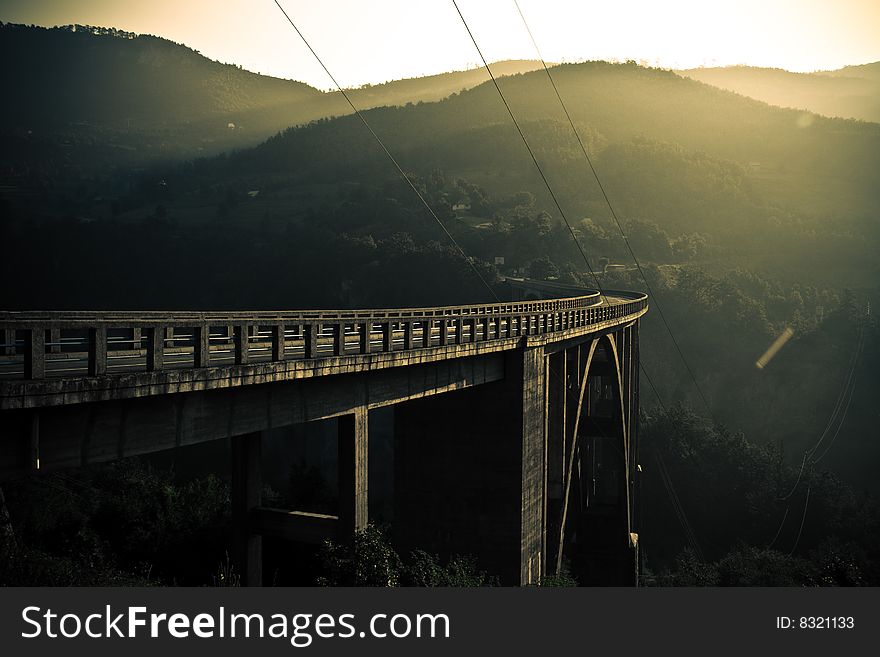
515 423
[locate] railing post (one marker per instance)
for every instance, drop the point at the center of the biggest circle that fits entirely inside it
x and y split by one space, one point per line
408 342
97 351
338 339
155 348
427 325
35 353
444 330
241 343
459 329
55 341
473 322
201 346
279 340
310 341
364 336
387 335
135 343
9 341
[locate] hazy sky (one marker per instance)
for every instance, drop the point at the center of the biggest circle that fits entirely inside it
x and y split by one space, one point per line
377 40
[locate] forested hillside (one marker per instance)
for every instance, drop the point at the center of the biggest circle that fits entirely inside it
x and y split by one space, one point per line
87 98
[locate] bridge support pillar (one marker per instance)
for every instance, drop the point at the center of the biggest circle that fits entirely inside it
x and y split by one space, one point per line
556 416
534 392
469 472
247 488
352 446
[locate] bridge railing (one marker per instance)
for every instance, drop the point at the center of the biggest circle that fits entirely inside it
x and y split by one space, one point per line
39 345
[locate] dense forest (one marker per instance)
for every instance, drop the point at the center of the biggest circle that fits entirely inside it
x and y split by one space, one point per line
747 219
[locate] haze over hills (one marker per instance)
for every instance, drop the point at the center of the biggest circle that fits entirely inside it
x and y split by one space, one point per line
850 92
150 97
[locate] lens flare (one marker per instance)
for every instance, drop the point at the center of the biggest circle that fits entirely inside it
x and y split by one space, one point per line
774 348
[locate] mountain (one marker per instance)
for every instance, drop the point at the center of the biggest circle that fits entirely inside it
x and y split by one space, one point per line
108 77
790 158
136 97
850 92
867 71
436 87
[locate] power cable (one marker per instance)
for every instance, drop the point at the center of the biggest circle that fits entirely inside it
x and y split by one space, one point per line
531 152
852 391
666 479
629 248
779 531
848 391
803 521
388 153
851 383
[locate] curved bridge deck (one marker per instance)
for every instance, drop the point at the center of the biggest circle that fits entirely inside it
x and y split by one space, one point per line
58 358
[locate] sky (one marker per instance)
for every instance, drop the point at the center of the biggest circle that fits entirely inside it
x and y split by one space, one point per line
373 41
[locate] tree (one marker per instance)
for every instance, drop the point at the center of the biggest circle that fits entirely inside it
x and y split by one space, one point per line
543 269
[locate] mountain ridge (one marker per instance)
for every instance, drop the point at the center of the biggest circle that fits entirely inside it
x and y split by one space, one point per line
850 92
144 87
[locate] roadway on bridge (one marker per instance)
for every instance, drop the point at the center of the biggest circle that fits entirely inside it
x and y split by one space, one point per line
71 357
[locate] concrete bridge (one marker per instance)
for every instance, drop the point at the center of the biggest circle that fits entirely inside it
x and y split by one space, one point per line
515 423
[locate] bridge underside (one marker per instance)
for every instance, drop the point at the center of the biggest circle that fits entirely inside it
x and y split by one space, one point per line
80 434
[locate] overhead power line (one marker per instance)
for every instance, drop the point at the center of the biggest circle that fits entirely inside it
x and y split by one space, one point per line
664 473
666 480
803 521
851 385
388 153
531 152
847 393
629 248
